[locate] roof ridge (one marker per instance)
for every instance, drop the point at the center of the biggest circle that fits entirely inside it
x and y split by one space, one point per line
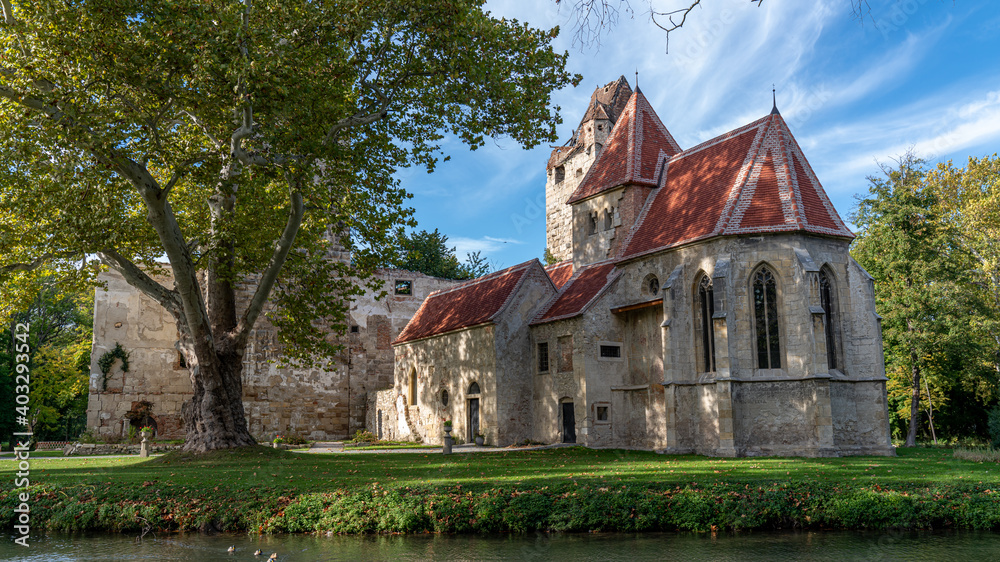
567 285
624 148
484 278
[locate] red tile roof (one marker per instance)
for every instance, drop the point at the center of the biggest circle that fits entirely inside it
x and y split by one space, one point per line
581 290
751 180
560 272
634 153
472 303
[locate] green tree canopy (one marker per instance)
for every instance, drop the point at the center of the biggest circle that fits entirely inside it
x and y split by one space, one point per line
59 360
923 289
428 253
240 141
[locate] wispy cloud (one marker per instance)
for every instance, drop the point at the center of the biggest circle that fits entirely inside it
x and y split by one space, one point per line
488 245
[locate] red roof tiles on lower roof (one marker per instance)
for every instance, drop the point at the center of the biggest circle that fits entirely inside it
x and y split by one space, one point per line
463 306
579 292
560 273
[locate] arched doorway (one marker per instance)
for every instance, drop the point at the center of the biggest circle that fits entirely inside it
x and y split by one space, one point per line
472 397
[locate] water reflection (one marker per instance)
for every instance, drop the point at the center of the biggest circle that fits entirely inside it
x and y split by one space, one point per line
891 545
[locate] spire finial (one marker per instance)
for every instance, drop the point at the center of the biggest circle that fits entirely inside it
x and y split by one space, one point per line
638 91
774 98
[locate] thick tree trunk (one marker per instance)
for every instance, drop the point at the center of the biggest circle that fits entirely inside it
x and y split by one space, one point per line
911 435
214 417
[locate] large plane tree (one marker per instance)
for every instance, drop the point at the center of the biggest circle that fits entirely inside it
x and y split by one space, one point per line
212 151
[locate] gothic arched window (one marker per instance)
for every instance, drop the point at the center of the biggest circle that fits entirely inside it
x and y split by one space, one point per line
765 312
706 302
828 300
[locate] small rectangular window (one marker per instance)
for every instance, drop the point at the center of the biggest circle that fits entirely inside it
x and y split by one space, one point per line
611 351
602 413
355 329
543 357
404 287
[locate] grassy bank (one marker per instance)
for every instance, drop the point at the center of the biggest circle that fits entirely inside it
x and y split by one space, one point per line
573 489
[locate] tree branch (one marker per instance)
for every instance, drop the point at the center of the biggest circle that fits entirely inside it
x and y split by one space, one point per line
37 262
138 278
270 276
204 128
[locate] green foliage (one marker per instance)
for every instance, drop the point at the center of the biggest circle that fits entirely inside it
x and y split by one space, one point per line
107 360
925 290
59 360
363 436
106 104
994 425
549 258
428 253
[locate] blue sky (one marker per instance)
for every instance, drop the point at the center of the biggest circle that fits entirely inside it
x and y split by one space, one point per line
920 73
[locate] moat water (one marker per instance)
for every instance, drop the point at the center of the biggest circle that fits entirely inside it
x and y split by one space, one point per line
824 545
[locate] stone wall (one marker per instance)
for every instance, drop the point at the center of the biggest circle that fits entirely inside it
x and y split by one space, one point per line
447 363
515 365
147 333
326 402
662 395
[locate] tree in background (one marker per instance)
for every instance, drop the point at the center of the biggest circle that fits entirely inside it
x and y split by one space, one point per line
428 253
60 341
240 142
923 289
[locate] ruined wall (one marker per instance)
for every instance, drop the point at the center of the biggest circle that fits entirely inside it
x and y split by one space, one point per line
316 403
447 363
567 167
147 333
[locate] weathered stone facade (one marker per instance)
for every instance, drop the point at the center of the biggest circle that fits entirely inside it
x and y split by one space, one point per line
713 307
320 403
477 372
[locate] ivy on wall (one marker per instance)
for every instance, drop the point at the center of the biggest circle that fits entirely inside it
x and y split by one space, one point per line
106 361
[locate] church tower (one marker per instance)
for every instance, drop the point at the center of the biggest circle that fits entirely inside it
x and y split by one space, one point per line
569 163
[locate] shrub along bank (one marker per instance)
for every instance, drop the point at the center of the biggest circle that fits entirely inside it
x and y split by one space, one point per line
648 500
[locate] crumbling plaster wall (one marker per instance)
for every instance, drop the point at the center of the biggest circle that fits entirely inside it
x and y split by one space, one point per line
147 333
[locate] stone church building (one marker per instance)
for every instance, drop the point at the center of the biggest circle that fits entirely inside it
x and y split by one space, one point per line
706 303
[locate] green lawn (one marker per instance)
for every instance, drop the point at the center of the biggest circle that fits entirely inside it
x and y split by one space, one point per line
263 490
318 472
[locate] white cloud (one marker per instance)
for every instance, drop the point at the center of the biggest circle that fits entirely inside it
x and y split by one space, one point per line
487 245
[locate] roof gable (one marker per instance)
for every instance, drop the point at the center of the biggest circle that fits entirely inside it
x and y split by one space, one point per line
751 180
579 292
633 154
470 304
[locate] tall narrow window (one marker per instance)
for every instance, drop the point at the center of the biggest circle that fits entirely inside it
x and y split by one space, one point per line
827 300
707 302
412 388
543 357
765 310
